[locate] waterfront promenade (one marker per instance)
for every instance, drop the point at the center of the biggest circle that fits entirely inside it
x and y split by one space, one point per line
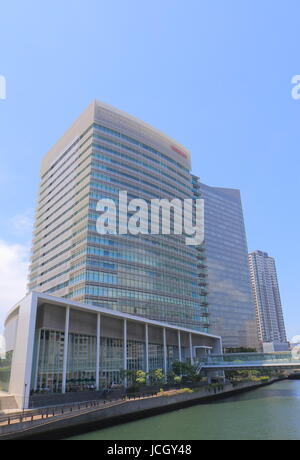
55 423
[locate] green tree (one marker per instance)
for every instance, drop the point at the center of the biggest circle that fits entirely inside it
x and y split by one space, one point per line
185 370
157 376
141 377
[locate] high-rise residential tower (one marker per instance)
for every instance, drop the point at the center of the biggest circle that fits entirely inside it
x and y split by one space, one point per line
231 306
154 276
266 293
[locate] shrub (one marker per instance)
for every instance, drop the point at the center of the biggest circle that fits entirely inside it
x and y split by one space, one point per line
157 376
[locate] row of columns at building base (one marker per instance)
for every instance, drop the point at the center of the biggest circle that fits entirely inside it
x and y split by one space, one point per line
66 350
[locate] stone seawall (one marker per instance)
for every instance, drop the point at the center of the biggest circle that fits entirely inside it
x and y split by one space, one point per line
62 427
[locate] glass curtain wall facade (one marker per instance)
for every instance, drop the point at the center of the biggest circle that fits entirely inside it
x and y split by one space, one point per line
231 306
155 276
81 374
202 261
157 349
5 370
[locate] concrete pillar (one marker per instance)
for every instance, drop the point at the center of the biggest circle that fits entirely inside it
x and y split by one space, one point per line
37 360
191 348
147 347
125 350
179 347
165 352
66 349
98 353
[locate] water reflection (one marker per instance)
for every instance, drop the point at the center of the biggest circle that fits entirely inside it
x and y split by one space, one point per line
269 413
287 390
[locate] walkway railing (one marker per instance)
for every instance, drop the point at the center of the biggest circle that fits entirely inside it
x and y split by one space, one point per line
59 411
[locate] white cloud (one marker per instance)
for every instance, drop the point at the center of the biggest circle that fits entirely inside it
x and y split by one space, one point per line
295 339
14 262
22 223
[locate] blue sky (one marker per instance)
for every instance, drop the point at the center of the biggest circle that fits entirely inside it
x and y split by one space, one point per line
216 76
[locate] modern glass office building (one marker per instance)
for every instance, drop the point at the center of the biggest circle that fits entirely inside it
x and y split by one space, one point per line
154 276
231 306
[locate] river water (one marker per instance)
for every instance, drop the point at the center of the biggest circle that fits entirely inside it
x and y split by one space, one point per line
268 413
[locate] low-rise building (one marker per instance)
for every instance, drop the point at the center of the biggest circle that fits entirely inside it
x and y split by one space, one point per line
56 345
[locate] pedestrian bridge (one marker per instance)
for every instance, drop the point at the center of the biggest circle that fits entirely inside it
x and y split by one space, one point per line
235 361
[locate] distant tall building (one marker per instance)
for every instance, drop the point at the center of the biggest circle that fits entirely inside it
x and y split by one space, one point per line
231 306
270 321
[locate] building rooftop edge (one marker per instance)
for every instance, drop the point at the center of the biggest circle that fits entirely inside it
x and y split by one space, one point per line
140 122
88 117
260 252
41 296
225 189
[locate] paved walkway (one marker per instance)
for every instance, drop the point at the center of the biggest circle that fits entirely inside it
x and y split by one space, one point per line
61 416
35 422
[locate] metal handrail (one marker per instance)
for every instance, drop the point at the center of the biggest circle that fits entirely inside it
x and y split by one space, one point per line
53 411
